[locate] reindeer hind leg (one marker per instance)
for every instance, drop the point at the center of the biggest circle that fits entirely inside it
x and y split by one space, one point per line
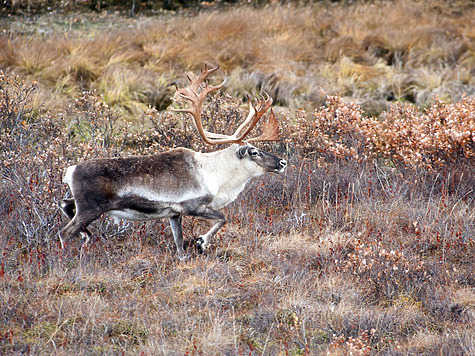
78 222
68 207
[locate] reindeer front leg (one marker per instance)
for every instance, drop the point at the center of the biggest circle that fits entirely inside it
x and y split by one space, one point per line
206 213
177 230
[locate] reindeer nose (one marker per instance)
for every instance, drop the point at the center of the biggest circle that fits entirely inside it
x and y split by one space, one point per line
283 163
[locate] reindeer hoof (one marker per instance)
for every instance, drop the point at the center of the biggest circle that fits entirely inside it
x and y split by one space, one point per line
200 245
85 237
183 257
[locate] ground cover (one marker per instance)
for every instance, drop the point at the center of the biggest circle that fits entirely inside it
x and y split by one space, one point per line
364 246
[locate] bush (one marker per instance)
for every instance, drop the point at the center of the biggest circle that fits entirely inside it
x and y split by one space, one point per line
442 136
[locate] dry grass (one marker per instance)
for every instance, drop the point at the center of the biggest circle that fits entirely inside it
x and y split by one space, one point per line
341 255
363 51
363 247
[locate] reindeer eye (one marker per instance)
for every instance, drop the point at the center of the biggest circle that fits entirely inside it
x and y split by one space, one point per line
254 153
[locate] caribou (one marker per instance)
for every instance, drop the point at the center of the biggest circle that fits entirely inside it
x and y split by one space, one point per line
175 183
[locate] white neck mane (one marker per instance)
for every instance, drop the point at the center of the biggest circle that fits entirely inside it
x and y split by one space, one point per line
224 176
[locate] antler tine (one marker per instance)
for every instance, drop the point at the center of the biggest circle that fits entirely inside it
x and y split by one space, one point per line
270 130
267 97
255 113
190 93
197 81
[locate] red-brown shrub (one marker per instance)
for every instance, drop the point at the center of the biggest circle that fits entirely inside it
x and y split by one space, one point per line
443 135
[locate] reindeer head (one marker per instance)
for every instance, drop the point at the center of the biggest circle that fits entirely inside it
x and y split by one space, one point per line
260 160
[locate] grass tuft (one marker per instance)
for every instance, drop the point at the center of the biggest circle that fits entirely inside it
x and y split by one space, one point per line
361 51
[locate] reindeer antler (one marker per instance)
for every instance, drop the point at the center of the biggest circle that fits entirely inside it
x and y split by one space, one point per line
195 97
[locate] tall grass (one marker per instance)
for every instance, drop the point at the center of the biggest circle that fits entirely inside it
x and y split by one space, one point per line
363 51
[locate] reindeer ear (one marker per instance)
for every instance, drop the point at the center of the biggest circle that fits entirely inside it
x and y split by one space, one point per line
242 151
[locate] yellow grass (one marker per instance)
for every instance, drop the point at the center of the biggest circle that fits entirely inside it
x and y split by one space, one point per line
292 52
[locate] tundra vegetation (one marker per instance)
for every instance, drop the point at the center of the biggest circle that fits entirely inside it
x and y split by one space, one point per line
364 246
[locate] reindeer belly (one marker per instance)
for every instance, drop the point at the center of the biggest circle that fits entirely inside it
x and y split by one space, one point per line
137 215
137 206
